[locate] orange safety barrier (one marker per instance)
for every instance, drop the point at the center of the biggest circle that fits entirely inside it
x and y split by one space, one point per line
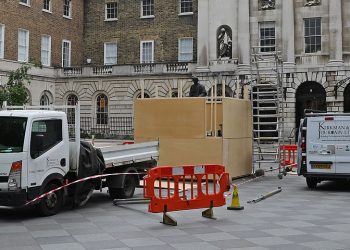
288 155
182 188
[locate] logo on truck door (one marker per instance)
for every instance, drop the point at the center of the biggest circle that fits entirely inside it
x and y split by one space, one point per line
333 132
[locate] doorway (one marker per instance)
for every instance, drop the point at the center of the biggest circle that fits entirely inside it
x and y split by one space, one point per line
347 99
309 95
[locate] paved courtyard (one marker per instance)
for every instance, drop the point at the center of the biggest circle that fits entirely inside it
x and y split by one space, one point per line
296 218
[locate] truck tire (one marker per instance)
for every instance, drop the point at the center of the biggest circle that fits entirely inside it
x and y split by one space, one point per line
51 204
311 182
127 191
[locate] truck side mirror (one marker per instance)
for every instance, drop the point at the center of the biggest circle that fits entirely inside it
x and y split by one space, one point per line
36 145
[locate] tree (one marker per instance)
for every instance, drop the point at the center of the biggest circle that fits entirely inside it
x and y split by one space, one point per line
15 92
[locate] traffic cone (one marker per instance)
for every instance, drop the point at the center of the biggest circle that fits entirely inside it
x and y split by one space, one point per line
235 200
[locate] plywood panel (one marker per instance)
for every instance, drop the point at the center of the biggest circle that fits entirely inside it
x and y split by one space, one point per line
217 113
237 156
169 118
237 118
190 151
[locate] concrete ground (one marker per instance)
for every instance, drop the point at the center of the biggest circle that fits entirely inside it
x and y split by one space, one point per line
296 218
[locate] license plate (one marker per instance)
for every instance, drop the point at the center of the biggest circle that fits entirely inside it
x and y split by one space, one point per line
321 166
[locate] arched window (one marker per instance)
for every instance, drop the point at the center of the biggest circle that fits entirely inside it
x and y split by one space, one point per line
174 93
44 100
146 95
101 109
72 100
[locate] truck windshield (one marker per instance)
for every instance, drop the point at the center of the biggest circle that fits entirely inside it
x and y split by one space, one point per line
12 131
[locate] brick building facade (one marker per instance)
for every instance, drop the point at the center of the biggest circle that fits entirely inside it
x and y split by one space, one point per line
164 24
32 16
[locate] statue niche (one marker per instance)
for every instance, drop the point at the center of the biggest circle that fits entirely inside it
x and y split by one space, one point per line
267 4
224 42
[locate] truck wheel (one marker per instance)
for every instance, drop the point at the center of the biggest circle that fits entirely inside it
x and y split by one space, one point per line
52 203
311 182
127 191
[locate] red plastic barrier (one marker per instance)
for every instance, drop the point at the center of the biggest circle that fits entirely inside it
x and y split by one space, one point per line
128 142
174 194
288 155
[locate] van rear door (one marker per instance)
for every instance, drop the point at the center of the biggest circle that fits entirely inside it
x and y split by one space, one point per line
342 144
320 146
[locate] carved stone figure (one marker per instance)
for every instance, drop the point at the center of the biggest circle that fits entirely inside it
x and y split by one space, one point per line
224 41
267 4
197 89
312 2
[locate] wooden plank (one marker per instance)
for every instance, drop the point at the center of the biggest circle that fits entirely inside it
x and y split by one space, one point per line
169 118
177 152
238 156
237 118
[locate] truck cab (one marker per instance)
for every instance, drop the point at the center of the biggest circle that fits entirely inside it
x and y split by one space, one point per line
324 148
34 156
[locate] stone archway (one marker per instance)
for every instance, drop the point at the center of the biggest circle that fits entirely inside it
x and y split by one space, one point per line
309 95
347 99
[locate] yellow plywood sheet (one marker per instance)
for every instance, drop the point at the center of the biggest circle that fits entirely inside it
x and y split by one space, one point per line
237 118
213 110
176 152
169 118
237 156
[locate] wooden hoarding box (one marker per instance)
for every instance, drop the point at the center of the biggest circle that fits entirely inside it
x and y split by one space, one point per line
198 131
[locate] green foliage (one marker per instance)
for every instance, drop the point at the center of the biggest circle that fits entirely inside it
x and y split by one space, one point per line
15 92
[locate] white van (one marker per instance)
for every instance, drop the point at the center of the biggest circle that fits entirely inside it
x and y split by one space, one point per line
324 148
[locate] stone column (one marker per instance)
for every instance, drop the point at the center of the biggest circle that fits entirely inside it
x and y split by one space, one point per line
203 34
235 30
288 36
335 31
243 32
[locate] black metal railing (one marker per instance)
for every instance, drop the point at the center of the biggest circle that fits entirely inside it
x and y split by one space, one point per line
112 126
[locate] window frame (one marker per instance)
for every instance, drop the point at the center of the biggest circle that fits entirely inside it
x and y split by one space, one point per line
69 16
70 53
2 41
141 51
59 136
26 3
49 51
26 46
50 6
142 9
44 100
71 100
98 113
267 48
179 47
185 13
105 53
116 12
315 36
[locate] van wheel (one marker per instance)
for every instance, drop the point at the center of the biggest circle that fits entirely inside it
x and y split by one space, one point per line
127 191
52 203
311 182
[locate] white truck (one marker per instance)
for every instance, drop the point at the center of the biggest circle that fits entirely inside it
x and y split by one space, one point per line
40 150
324 147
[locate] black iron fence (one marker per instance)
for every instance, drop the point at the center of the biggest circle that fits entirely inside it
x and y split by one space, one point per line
110 127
